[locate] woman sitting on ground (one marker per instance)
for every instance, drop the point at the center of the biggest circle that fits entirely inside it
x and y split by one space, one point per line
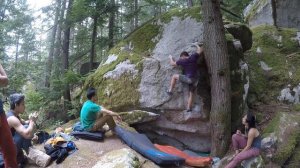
248 145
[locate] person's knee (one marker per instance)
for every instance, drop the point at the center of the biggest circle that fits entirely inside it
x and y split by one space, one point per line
234 137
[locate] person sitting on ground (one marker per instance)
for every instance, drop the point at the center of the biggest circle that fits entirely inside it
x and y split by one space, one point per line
189 76
248 145
7 146
22 131
93 116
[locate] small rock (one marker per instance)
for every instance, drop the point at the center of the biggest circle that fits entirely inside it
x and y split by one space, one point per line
124 158
258 50
110 59
256 162
264 66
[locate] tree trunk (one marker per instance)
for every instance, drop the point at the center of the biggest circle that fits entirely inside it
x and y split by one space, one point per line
218 65
94 37
17 51
111 25
66 42
52 42
58 43
190 3
136 14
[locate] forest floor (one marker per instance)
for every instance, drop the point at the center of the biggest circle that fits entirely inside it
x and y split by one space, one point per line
90 152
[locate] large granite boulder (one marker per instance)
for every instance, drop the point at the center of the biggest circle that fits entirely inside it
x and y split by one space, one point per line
281 13
137 75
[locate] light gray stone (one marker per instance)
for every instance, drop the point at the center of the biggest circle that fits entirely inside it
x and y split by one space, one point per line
110 59
290 95
282 13
138 116
177 36
259 12
123 67
121 158
255 162
264 66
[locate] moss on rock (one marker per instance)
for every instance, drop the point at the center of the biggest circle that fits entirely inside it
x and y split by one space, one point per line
272 126
193 12
294 161
287 130
112 93
276 46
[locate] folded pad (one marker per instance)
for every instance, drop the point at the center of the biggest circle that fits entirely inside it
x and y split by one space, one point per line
141 144
189 160
95 136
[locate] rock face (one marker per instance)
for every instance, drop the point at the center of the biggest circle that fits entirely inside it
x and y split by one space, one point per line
282 136
143 84
138 116
281 13
290 95
122 158
274 61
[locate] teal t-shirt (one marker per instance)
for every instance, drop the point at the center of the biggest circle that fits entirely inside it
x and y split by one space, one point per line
88 114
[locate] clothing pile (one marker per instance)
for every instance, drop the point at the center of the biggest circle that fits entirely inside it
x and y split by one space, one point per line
59 147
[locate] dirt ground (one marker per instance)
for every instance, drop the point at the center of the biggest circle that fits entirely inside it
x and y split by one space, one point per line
89 152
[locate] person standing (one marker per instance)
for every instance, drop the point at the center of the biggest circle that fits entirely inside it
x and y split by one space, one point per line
7 145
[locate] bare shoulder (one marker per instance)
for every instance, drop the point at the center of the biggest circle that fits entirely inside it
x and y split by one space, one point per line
253 132
13 121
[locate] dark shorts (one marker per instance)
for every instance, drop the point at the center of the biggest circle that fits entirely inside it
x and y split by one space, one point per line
190 81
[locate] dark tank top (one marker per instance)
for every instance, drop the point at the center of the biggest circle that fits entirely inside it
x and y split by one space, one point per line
257 142
10 114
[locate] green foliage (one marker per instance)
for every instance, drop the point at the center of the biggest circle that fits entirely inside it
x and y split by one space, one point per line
72 78
75 108
236 7
296 107
34 100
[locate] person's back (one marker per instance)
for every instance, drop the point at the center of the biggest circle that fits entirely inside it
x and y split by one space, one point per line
93 117
88 114
189 65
